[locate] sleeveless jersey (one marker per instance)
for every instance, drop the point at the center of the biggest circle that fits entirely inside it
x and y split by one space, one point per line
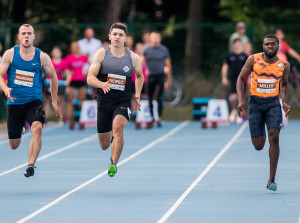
265 77
118 72
25 78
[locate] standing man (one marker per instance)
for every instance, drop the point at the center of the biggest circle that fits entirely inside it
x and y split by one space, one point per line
89 44
111 72
267 72
233 65
240 30
24 65
158 61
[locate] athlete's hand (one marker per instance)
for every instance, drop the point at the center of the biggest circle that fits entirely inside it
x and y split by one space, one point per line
7 94
106 87
241 109
56 110
137 99
286 109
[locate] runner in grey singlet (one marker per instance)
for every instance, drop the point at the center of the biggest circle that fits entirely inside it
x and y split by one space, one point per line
120 71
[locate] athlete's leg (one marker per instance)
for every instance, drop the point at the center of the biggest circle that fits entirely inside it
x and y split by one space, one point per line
16 116
273 135
273 121
259 142
14 143
35 142
257 125
119 123
105 139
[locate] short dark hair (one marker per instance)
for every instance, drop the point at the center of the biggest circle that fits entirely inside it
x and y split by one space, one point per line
271 36
236 40
118 25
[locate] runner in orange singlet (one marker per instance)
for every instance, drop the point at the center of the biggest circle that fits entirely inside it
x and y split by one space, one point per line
267 72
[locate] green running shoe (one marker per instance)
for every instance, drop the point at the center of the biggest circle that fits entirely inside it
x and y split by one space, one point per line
112 169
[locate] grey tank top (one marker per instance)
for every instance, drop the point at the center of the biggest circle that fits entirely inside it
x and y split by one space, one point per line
118 72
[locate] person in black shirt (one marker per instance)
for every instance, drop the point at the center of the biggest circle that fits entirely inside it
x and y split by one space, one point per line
231 69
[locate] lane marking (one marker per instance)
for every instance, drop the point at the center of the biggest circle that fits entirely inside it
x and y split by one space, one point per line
47 129
52 153
144 149
204 172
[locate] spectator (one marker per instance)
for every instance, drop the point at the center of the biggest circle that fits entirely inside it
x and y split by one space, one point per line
129 42
105 42
248 49
146 39
89 45
76 80
158 60
239 33
284 48
60 67
233 65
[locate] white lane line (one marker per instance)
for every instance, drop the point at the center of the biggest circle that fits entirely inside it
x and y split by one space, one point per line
200 177
47 129
144 149
53 153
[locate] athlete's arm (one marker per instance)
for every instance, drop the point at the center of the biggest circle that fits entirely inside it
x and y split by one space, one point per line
284 89
49 70
6 62
245 72
94 70
224 72
139 81
168 71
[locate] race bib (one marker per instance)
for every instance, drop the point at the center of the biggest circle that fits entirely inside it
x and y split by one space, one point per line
24 78
117 82
266 86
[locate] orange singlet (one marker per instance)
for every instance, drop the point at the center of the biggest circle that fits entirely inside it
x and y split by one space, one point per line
265 77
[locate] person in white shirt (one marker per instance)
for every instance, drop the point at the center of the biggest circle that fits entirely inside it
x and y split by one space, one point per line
89 45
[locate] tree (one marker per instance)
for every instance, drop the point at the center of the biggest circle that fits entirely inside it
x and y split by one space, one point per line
193 40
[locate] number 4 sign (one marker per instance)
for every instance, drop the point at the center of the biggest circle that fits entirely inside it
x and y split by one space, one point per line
217 111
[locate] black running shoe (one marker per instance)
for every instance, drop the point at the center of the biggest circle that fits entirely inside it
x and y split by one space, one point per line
29 171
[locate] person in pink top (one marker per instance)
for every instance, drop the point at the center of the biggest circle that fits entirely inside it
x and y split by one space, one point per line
60 67
76 81
284 48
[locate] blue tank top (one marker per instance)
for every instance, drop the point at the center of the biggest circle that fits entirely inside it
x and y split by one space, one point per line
25 78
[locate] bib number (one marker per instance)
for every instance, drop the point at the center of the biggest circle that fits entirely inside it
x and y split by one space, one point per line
117 82
266 86
24 78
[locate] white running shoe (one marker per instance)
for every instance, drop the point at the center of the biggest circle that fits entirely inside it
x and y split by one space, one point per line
232 115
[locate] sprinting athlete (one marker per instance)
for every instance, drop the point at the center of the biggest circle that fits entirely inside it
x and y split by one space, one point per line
111 72
23 65
267 72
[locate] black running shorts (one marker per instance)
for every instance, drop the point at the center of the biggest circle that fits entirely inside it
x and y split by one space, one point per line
107 112
18 114
260 114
